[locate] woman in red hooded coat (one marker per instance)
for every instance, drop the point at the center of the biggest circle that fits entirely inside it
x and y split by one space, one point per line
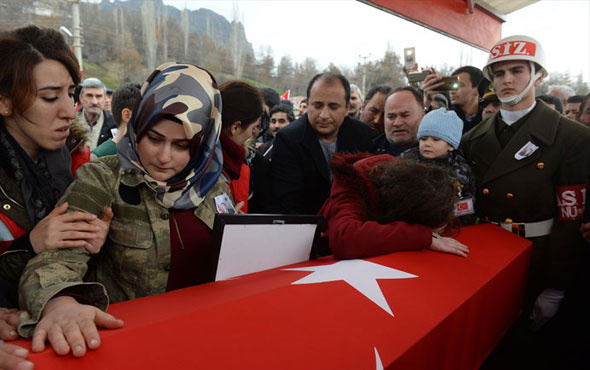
380 205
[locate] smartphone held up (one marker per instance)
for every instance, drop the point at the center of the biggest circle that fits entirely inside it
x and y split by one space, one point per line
409 57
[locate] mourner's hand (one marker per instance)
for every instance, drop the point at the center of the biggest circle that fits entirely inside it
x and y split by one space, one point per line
14 357
448 245
585 230
413 68
63 230
238 208
8 323
94 245
71 326
546 306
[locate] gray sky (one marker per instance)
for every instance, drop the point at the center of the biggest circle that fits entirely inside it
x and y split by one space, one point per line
344 31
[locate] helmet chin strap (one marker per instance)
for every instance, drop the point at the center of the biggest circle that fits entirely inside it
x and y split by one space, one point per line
515 99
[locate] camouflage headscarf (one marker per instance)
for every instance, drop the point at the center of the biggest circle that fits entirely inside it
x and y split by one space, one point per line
189 94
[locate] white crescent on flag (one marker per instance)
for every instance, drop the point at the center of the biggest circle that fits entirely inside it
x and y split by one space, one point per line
378 362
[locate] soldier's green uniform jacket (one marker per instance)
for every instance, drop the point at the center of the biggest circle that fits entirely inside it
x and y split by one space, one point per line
525 190
135 260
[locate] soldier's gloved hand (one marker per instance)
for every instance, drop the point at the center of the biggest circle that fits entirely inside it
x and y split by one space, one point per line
546 306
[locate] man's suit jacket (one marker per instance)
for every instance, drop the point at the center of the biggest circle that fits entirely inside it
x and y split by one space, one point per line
300 174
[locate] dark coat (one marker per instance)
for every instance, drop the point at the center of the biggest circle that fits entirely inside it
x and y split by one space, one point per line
525 190
467 126
383 146
299 171
107 126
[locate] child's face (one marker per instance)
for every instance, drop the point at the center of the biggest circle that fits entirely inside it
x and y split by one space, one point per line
432 147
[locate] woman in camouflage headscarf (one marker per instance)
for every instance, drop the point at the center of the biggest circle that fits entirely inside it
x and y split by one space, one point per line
177 92
161 188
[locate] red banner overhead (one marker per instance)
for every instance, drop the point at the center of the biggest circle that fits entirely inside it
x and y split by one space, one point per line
453 18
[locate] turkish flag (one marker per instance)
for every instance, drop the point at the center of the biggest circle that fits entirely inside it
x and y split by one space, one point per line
286 95
405 310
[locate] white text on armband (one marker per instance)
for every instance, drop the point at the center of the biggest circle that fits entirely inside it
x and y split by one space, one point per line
570 201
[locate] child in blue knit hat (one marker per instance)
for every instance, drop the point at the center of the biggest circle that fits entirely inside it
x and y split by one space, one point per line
439 136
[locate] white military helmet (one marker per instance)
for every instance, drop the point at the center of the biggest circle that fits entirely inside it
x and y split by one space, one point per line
517 47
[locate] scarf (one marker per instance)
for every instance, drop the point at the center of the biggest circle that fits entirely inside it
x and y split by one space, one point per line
189 95
233 156
41 183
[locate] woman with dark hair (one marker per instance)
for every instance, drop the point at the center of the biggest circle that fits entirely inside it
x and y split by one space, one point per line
242 111
380 205
38 73
162 187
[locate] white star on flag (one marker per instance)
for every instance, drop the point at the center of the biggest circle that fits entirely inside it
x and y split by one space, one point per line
359 274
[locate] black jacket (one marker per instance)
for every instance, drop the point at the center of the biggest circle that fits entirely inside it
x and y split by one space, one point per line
299 172
383 146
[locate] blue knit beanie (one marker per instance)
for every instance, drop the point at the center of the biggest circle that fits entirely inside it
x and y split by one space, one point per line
443 124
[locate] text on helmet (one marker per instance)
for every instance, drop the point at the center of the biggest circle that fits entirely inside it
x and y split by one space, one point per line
513 48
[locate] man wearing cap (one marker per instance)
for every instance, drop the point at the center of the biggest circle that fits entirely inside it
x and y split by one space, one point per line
531 165
490 104
99 123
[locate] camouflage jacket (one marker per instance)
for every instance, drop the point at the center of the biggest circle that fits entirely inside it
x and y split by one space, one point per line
135 260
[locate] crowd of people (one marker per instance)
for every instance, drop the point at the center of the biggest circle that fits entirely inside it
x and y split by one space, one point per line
135 173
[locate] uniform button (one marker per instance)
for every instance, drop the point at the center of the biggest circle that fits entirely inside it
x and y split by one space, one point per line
485 191
540 165
6 207
508 221
509 195
473 163
164 215
72 141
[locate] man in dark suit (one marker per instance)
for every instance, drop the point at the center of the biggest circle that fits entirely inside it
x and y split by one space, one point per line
300 172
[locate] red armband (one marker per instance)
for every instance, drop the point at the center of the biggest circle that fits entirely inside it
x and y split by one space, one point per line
570 201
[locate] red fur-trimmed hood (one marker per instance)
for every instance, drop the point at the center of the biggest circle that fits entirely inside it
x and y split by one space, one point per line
350 171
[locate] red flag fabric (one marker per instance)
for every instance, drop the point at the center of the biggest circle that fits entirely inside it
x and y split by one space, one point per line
445 312
286 95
